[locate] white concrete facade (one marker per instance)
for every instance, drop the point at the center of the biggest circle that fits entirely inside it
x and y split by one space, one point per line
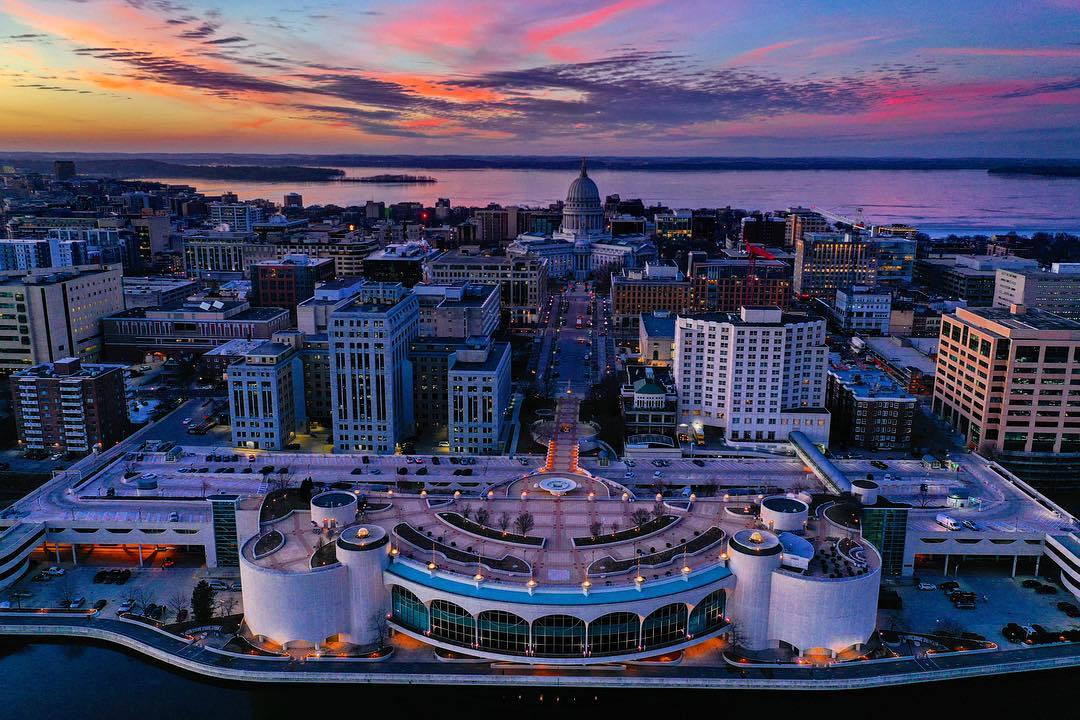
758 375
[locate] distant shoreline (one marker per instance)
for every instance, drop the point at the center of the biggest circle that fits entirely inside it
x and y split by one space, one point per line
214 165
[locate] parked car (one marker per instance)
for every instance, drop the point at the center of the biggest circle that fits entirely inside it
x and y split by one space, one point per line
927 586
100 576
1069 609
1031 583
1046 590
949 585
125 607
100 604
879 465
78 602
56 571
699 462
218 585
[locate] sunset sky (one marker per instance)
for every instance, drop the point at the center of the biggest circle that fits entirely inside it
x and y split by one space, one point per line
615 77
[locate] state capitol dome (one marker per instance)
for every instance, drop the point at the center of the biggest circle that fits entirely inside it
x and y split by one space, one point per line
583 214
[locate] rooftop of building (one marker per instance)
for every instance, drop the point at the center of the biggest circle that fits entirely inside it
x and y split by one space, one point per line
239 346
900 355
659 323
296 261
868 383
155 283
1025 318
493 357
765 316
67 369
51 276
233 312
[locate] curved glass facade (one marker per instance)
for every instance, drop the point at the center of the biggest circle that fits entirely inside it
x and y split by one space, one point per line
708 614
558 635
614 634
452 623
408 609
664 626
502 632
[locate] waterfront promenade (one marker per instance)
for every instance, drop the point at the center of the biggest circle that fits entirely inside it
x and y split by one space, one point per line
186 655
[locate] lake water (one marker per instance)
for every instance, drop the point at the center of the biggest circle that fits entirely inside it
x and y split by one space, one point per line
936 201
87 681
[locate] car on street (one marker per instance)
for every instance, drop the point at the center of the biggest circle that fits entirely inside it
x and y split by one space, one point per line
879 465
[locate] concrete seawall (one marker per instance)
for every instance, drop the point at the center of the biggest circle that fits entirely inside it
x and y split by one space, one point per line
325 671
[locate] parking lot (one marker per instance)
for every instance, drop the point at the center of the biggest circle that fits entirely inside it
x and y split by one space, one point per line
149 584
999 601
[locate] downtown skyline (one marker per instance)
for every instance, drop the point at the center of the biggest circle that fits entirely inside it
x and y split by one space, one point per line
625 77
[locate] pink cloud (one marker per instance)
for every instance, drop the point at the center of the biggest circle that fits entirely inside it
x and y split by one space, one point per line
758 54
1010 52
539 36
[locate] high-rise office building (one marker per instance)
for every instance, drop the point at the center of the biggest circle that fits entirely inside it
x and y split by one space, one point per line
294 200
756 376
800 221
522 280
1056 291
862 310
266 394
240 217
53 314
1006 380
478 384
658 286
370 371
458 311
287 283
827 261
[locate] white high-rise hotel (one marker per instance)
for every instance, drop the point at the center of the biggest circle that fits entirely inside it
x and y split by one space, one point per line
757 375
370 373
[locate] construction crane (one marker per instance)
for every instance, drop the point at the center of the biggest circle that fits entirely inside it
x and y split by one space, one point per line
753 252
857 222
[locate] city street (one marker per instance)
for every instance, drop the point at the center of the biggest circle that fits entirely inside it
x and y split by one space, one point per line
573 357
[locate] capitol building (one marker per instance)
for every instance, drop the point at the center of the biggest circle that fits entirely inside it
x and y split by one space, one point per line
582 245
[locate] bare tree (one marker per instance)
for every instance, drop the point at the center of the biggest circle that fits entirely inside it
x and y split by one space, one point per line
482 516
178 602
226 605
466 511
658 510
504 521
143 597
524 523
67 590
640 516
596 528
380 628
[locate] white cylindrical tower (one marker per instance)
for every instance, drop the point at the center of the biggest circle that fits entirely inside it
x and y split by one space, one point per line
865 490
754 555
781 513
365 551
335 508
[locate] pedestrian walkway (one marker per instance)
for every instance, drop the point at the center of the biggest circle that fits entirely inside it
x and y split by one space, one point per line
562 455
